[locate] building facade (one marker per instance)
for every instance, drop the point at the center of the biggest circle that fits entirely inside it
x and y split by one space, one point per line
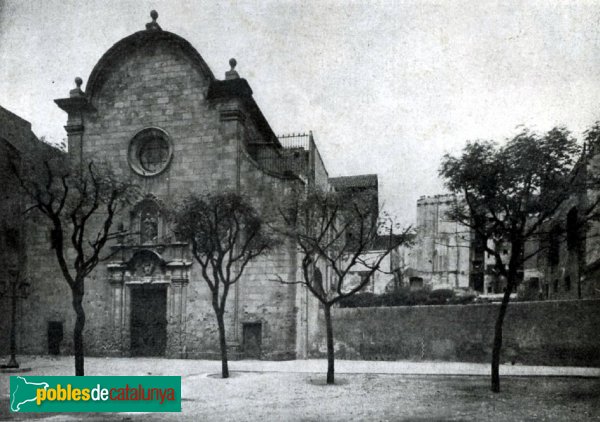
16 141
153 109
443 256
562 261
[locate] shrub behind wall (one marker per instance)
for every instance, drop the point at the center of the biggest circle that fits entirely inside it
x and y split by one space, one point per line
405 296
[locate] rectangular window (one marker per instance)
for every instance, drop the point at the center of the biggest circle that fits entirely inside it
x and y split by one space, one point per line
554 246
534 283
572 230
555 287
567 283
416 283
12 238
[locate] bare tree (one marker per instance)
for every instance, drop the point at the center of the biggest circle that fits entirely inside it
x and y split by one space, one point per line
226 233
511 194
337 230
80 205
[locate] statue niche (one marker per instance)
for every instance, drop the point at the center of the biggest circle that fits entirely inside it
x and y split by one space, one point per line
148 228
148 218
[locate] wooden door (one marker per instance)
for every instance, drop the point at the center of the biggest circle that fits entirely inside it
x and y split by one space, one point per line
148 320
252 337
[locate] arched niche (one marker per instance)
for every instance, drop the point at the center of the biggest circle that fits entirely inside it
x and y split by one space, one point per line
148 221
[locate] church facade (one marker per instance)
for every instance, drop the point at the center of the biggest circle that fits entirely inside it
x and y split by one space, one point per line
154 110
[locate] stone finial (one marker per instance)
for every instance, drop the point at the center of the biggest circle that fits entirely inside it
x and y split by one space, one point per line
77 92
232 74
153 25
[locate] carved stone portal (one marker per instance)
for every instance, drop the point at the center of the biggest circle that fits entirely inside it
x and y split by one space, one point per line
143 267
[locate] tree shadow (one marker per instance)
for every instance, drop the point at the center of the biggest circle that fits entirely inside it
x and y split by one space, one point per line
322 381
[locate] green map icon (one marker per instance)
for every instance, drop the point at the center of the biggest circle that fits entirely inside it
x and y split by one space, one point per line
23 391
64 394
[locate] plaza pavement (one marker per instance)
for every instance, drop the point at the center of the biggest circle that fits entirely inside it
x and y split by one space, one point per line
63 365
410 368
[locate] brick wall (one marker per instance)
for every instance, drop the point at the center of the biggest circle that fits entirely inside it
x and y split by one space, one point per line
535 333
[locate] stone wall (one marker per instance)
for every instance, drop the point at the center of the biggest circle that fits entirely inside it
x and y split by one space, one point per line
563 333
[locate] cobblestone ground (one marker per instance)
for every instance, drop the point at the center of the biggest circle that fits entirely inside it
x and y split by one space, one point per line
291 396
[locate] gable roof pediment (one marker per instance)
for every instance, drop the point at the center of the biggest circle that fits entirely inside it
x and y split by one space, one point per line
134 42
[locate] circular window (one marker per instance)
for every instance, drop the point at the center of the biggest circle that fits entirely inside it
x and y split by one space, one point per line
150 152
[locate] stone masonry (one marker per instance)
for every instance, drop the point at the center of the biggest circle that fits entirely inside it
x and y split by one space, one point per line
153 109
155 82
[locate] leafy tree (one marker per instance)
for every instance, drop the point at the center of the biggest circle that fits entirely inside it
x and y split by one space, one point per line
511 192
80 203
337 230
226 233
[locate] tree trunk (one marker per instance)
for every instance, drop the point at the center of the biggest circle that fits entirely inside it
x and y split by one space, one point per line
330 350
223 344
79 325
13 327
498 338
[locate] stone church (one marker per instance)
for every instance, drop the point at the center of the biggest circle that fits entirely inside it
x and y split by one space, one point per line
154 109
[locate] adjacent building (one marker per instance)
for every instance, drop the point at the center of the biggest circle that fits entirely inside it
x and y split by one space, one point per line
16 141
443 256
562 262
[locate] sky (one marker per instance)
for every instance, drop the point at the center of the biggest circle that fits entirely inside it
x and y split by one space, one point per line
386 87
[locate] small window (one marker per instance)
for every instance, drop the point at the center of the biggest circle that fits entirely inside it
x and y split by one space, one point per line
12 238
567 283
554 246
572 229
534 283
555 286
416 282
